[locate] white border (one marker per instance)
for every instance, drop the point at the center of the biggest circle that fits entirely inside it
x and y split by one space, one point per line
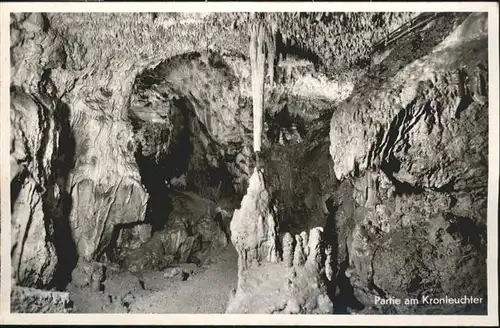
209 319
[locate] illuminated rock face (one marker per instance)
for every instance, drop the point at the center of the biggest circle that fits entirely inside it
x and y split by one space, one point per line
296 276
254 225
419 166
35 144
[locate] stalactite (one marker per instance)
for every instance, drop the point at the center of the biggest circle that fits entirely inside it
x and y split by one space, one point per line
271 53
262 44
257 61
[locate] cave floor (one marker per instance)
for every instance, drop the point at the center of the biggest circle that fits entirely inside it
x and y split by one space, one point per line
206 289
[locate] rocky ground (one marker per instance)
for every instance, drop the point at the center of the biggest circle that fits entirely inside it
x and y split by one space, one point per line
185 288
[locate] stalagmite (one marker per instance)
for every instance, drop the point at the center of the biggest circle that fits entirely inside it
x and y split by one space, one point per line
288 249
315 256
298 255
254 227
305 242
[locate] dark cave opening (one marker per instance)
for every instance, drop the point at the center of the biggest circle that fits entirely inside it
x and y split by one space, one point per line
158 165
283 120
184 157
344 299
288 47
298 172
183 169
62 234
16 185
339 289
331 239
176 150
154 180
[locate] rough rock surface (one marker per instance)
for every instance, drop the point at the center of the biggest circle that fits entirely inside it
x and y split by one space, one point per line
266 283
118 119
134 237
31 300
94 173
90 274
71 59
254 225
414 143
183 288
281 288
195 227
298 184
34 147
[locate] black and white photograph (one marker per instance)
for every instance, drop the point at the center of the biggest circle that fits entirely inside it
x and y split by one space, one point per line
252 161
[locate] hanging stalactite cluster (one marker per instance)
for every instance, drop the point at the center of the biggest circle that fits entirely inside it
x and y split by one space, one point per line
262 44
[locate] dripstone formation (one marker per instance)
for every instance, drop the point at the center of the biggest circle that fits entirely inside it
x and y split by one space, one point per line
132 155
